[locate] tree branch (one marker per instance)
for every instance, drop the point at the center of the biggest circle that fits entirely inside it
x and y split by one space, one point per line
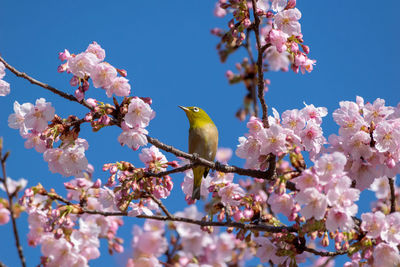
10 208
260 71
44 85
392 195
326 253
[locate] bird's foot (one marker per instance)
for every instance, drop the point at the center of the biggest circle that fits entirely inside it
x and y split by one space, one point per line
195 157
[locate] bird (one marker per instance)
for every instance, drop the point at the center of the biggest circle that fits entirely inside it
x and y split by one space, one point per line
203 141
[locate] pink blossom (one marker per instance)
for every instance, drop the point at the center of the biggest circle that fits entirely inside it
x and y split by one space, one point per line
65 55
82 64
4 88
312 138
96 49
187 185
4 215
223 154
139 113
17 119
61 253
13 185
149 242
293 119
34 140
267 251
38 117
278 39
153 155
287 21
277 61
120 87
377 111
2 70
255 125
133 138
386 255
381 187
348 118
249 149
107 197
344 198
281 203
329 166
373 223
218 11
310 112
144 260
103 75
387 137
307 179
231 194
359 146
339 218
391 233
315 203
273 140
138 209
278 5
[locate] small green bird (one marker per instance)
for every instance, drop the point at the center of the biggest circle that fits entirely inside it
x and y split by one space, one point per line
203 140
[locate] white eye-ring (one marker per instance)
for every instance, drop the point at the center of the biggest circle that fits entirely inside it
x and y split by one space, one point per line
196 109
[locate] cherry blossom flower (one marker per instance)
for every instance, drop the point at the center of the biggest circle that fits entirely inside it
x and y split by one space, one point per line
287 21
96 49
278 5
103 75
13 185
273 140
278 39
339 218
387 137
4 88
329 166
231 194
315 203
377 111
4 215
391 233
120 87
139 113
381 187
281 203
133 138
267 251
373 223
38 116
386 255
277 61
82 64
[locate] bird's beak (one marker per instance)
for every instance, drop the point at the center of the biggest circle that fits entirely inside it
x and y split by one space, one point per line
184 108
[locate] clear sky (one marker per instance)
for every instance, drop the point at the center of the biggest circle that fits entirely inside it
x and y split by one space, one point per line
170 56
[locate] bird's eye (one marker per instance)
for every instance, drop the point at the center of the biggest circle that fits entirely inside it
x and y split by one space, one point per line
196 109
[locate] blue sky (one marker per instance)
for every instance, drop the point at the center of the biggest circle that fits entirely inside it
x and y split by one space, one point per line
170 55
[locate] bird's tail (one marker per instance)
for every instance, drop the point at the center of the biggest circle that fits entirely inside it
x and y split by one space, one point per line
198 175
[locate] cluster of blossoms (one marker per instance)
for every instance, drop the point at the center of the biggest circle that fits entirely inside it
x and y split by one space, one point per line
369 136
55 226
138 183
13 188
281 33
298 129
32 121
4 86
279 42
91 64
190 245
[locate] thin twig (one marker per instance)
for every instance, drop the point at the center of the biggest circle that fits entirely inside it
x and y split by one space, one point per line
161 205
247 45
162 174
260 70
392 195
326 253
44 85
10 201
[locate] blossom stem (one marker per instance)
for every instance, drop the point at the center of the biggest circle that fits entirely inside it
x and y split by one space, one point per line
44 85
392 195
260 71
10 208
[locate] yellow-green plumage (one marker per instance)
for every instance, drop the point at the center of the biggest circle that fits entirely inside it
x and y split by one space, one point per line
203 140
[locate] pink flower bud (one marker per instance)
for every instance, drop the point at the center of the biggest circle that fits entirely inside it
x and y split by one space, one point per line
104 120
74 81
97 184
306 49
85 85
69 186
325 241
238 215
64 55
147 100
62 68
291 4
269 14
248 214
229 74
79 95
246 22
122 72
